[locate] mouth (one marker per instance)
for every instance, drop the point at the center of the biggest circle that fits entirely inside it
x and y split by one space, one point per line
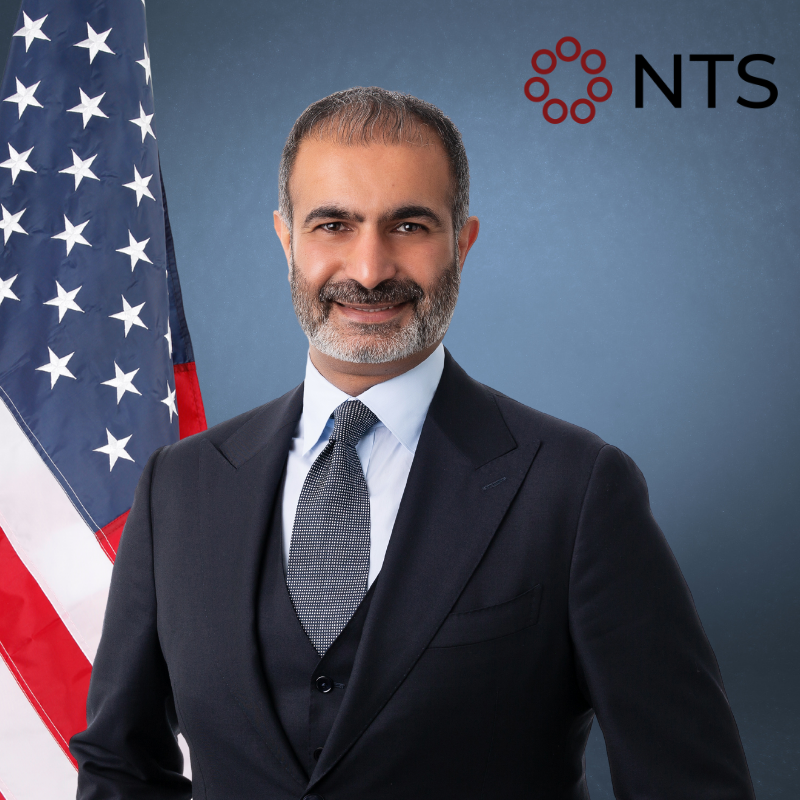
370 313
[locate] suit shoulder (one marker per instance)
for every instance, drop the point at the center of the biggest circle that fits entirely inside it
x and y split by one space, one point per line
523 420
223 431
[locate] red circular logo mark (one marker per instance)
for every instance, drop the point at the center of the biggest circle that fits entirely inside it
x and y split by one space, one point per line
537 98
554 58
555 102
535 61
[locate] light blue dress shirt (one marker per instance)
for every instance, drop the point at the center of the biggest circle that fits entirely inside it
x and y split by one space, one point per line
385 451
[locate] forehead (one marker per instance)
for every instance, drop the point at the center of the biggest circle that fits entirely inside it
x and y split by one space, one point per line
374 175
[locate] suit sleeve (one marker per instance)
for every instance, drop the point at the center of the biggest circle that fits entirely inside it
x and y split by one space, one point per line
129 749
649 670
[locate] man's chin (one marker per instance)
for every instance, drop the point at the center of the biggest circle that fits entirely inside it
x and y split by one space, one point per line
380 343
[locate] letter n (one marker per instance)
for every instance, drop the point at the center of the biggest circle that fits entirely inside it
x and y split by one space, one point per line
673 95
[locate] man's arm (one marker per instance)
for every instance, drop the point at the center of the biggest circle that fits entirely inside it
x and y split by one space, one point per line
129 749
648 669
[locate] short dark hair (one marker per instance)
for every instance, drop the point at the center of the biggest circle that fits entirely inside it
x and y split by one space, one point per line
365 114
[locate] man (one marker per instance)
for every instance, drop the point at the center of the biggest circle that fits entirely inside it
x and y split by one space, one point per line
394 582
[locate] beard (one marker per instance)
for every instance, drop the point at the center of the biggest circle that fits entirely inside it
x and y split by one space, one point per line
381 342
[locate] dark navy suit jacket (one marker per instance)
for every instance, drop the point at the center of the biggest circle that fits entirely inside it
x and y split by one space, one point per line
526 589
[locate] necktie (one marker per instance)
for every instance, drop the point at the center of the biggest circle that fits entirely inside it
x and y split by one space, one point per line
329 552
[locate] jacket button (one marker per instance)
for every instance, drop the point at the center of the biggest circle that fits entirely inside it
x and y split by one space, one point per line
317 753
324 685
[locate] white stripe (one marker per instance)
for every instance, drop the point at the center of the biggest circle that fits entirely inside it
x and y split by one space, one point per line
32 765
51 538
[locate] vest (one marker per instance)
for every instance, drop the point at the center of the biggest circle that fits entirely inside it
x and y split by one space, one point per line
307 691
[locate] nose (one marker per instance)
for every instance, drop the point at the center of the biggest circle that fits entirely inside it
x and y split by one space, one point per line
370 260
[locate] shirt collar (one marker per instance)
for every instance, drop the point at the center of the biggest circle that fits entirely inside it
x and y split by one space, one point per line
401 403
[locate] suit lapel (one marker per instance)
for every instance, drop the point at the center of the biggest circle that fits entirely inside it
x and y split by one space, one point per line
239 482
466 471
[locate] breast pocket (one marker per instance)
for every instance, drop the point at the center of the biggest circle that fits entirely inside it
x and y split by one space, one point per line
492 622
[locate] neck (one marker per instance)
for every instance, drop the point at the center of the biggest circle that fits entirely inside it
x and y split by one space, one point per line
353 379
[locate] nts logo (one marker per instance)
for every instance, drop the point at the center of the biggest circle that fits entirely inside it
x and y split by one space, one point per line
544 86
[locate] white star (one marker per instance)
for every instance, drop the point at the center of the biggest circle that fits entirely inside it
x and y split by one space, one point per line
89 107
114 449
17 162
31 30
139 186
24 97
169 402
72 234
145 62
95 43
81 169
5 289
135 250
123 382
129 315
143 122
10 223
57 367
168 337
65 301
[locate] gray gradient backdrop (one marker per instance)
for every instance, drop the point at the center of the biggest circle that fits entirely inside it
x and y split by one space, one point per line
637 275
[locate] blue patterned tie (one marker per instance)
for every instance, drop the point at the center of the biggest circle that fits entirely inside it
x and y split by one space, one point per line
329 552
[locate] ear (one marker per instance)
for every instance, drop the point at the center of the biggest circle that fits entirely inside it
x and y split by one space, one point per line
466 238
284 234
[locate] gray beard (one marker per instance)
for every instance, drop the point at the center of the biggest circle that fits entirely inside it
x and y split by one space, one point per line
375 343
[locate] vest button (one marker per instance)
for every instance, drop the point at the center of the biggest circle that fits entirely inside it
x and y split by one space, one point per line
317 753
324 684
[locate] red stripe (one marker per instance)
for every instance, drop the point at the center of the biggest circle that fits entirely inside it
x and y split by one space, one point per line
109 535
191 414
45 660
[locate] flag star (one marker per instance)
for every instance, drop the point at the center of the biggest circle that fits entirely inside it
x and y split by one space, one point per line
72 234
129 315
57 367
135 250
32 29
17 162
10 223
143 121
80 169
145 62
65 301
168 337
89 107
115 449
169 402
123 382
5 289
95 43
139 186
24 97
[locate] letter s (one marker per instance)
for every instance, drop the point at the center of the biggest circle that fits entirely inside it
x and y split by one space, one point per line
745 76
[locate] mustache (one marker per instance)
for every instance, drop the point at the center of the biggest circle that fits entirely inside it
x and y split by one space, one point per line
392 291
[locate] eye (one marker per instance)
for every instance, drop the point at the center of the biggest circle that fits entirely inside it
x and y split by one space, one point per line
409 227
332 227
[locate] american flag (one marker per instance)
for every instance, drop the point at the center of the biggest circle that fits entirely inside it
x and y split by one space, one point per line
96 364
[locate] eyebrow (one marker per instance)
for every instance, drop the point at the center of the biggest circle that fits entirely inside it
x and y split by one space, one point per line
335 212
404 212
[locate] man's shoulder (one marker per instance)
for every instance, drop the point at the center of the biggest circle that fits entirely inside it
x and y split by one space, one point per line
246 425
543 426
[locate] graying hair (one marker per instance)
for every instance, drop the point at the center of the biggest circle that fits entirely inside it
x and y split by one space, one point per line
362 115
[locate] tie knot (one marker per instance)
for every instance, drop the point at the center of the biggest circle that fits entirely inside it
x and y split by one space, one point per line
352 419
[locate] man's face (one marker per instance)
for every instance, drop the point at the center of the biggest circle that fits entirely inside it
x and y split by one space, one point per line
373 262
